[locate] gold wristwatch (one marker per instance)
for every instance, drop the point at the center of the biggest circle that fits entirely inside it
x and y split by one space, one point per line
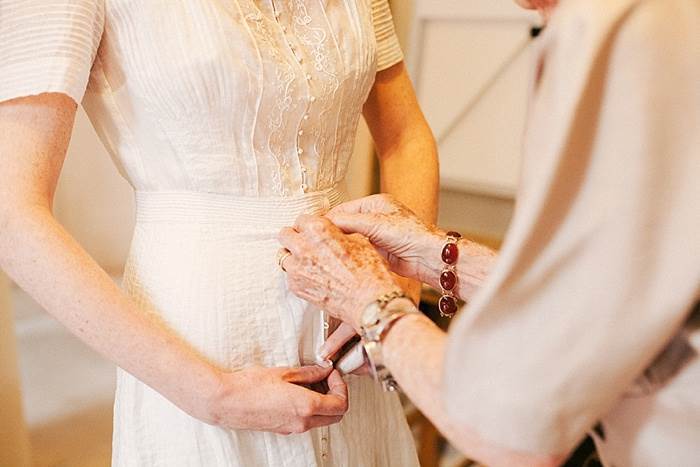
375 322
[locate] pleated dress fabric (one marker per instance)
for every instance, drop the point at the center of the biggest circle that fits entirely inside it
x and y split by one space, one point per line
229 118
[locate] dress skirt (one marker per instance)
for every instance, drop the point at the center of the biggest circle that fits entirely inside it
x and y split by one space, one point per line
205 264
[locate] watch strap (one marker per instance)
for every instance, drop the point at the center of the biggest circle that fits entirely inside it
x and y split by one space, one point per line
377 320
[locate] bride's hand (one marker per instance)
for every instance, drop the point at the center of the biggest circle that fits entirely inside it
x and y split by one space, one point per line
408 243
278 400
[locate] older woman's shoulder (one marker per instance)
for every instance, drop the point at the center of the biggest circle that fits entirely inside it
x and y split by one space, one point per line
662 22
665 31
593 24
610 13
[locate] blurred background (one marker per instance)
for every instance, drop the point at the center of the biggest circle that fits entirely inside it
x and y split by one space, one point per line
469 62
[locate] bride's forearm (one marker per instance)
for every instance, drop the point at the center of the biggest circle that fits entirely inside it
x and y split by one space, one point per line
406 148
409 174
43 259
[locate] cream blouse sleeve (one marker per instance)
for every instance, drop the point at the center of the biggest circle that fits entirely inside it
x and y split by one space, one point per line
48 46
388 48
600 270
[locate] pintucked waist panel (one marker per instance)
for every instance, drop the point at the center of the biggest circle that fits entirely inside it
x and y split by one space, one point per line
206 264
235 212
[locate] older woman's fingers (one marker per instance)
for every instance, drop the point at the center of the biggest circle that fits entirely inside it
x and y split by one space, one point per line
291 266
382 203
363 370
355 206
352 360
291 240
359 238
312 223
336 341
365 224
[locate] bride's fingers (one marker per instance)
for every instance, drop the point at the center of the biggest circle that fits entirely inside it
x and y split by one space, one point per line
335 402
337 387
336 341
321 420
307 374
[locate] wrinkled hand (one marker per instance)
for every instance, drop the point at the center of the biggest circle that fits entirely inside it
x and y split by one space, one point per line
403 238
337 272
278 399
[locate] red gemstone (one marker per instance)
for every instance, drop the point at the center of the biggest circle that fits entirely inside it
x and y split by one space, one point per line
448 280
447 305
454 234
450 253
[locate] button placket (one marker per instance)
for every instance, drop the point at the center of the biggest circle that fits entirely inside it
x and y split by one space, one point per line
324 432
311 98
325 448
300 134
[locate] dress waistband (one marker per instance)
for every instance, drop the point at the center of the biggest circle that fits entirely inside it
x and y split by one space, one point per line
217 208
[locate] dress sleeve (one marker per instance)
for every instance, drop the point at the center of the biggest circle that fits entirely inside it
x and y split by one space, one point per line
388 48
601 267
48 46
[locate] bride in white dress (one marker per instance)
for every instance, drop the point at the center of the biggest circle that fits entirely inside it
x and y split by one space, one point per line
229 118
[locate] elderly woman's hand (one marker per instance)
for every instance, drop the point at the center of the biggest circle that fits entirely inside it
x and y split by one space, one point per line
408 243
337 272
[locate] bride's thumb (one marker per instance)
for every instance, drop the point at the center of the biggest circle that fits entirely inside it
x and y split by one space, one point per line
309 374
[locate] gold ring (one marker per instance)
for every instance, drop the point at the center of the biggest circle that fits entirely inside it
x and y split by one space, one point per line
281 256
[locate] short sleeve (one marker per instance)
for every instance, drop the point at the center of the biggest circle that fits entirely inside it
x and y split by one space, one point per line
48 46
388 48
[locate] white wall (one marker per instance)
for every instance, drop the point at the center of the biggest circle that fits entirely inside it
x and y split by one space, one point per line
14 443
93 201
454 50
470 65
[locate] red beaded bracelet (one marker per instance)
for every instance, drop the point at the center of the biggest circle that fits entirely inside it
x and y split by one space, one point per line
448 276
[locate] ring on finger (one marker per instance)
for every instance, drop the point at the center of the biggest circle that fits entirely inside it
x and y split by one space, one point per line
281 256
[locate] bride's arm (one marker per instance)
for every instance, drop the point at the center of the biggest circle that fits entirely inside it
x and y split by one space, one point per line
50 265
405 144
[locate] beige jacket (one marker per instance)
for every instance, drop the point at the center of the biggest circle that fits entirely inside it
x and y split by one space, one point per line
587 315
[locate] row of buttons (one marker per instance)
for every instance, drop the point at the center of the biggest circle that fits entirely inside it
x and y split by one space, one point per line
325 432
312 99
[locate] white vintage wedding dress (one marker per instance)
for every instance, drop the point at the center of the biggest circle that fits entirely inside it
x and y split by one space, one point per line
229 118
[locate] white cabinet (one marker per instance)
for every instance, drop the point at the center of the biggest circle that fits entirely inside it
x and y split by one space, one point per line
470 62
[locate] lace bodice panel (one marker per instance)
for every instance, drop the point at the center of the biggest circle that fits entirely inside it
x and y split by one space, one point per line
254 98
